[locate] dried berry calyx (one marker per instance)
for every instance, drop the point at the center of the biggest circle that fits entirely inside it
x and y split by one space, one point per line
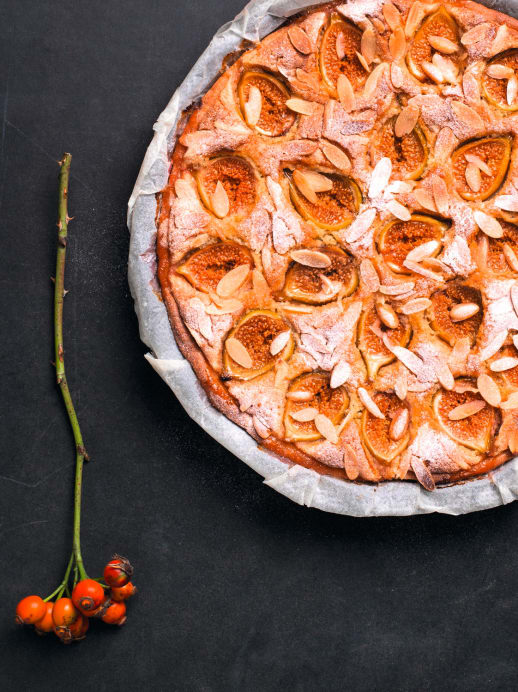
332 403
399 238
317 286
440 24
255 333
439 313
496 89
498 255
271 116
377 431
474 431
494 152
341 44
408 153
373 350
204 268
237 177
335 208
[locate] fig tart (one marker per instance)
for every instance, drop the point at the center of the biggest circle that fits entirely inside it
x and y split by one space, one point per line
338 240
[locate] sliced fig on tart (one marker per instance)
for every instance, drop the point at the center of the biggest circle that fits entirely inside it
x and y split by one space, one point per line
227 185
373 350
254 345
262 98
408 153
502 251
317 286
386 437
332 208
398 238
309 396
493 154
456 312
465 416
438 25
496 87
341 44
204 268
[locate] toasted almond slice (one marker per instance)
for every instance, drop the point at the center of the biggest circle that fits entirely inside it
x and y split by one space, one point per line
470 408
432 71
301 180
422 473
476 34
226 308
473 177
398 210
345 93
512 442
444 375
304 415
360 225
400 187
281 374
401 385
515 340
260 428
463 311
424 250
238 353
392 15
370 86
444 144
299 39
419 269
489 225
436 264
406 121
232 281
340 374
442 44
317 181
511 402
350 462
299 395
440 195
261 287
311 258
459 353
507 202
380 177
253 106
461 387
301 106
478 162
279 342
368 45
336 156
369 403
326 428
503 364
409 359
494 346
512 90
415 305
397 289
363 62
340 46
497 71
399 424
378 25
488 389
466 116
471 87
425 199
396 76
514 297
414 18
369 276
387 315
220 201
294 307
448 68
397 43
510 256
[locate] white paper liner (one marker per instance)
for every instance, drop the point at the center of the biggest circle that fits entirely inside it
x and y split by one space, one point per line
304 486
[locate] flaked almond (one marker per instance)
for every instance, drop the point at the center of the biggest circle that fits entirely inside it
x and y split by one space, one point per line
488 389
481 251
478 162
463 311
340 374
317 181
436 265
444 144
299 39
459 353
422 473
227 307
311 258
369 403
397 43
476 34
400 187
294 307
232 281
424 250
488 224
507 202
514 297
510 403
398 210
299 395
470 408
444 375
378 25
396 76
466 116
350 462
304 415
406 121
392 15
380 177
279 342
447 67
462 387
473 177
515 340
414 18
261 287
510 257
415 305
345 93
369 276
432 71
399 424
368 45
370 86
442 44
409 360
340 46
425 199
397 289
260 428
423 271
220 201
253 106
304 186
401 385
238 353
471 87
497 71
281 374
387 315
512 90
301 106
440 195
360 225
336 156
493 346
503 364
363 62
326 428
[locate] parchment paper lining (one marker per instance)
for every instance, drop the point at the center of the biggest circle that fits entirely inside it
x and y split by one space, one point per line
306 487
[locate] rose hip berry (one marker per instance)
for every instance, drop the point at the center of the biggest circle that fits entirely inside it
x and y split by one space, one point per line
114 613
87 596
122 593
118 571
30 609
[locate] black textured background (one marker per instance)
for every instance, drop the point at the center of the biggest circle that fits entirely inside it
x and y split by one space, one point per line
240 589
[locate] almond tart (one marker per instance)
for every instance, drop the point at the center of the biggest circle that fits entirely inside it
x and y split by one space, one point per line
338 241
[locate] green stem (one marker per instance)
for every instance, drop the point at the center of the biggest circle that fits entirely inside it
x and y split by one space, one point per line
63 584
59 293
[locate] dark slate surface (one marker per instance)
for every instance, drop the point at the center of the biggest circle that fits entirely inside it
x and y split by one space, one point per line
239 588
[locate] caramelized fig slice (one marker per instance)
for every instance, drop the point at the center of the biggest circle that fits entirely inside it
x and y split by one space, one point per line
474 431
496 258
205 267
495 152
275 117
255 332
374 352
438 24
511 375
495 90
319 286
332 403
455 293
237 177
335 208
332 65
408 154
398 238
375 430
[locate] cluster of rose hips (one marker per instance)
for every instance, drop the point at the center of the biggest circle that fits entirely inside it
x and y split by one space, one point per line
68 618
